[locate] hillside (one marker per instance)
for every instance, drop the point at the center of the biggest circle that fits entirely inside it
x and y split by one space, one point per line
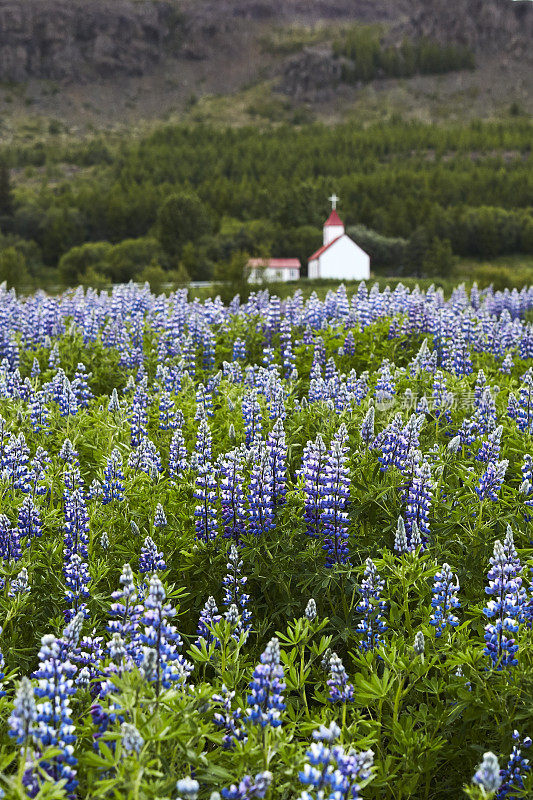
98 63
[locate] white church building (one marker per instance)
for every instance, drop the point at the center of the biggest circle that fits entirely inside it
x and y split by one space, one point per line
339 257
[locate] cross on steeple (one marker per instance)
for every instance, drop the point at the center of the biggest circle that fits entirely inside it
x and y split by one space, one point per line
333 200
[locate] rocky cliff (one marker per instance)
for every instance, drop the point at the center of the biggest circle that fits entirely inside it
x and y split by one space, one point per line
88 40
80 40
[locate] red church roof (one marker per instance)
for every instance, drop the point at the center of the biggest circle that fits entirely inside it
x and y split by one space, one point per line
333 219
275 263
324 248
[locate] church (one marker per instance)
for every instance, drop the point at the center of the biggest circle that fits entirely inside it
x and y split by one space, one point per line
339 257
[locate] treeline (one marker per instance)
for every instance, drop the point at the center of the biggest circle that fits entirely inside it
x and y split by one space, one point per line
367 57
186 199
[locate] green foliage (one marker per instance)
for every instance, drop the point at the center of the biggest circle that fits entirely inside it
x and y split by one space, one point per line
181 218
384 251
13 268
369 58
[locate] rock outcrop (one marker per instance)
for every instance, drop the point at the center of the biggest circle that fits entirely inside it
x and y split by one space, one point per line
81 40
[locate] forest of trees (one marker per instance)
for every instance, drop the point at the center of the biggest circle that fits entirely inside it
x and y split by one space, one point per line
367 57
183 200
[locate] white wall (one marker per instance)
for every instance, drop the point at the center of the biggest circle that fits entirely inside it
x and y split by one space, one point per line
332 232
345 260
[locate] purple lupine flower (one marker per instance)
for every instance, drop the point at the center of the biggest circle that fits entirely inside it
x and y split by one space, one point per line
445 588
372 607
55 727
80 386
261 517
367 426
209 616
126 612
265 700
29 520
523 409
313 462
177 459
163 639
419 497
277 455
160 520
492 480
505 585
513 774
77 580
335 492
232 495
167 417
151 560
490 449
385 386
113 485
76 525
487 774
231 720
249 788
234 582
24 714
340 689
252 416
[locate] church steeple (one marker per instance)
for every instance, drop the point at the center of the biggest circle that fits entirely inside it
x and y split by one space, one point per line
334 226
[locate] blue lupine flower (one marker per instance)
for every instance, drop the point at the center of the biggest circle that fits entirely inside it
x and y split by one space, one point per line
76 525
335 499
29 520
340 689
239 350
401 544
10 549
373 625
419 500
204 403
138 420
77 580
249 788
231 720
232 495
177 459
367 426
132 741
462 361
513 774
260 504
507 364
39 413
385 386
444 599
332 773
523 409
151 560
233 583
163 639
492 479
80 386
252 416
160 520
487 774
113 486
312 466
54 722
505 584
490 449
209 616
265 700
126 611
187 789
24 715
485 411
167 418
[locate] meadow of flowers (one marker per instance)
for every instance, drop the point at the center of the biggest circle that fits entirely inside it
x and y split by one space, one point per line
278 549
